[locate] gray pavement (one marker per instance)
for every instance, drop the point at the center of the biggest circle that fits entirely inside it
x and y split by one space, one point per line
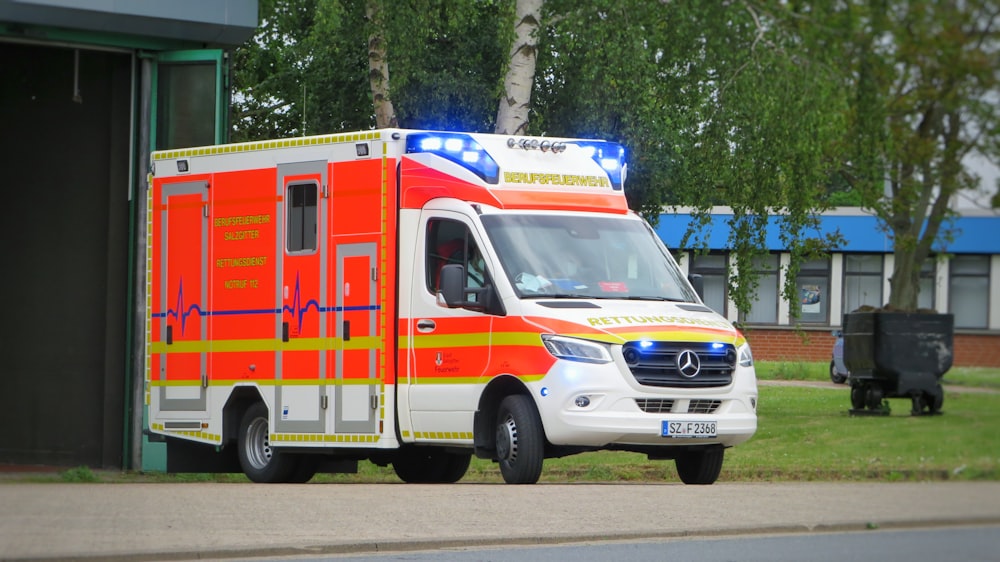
175 521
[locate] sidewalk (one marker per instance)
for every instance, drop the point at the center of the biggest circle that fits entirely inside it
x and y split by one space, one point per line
190 521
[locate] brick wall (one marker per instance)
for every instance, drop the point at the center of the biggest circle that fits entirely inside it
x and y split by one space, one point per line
971 350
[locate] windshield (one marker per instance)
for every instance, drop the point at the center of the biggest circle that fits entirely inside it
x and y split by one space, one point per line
584 257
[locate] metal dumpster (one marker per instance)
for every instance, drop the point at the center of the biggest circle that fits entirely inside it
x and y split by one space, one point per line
897 355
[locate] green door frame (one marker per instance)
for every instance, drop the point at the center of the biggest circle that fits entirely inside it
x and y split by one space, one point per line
217 56
154 455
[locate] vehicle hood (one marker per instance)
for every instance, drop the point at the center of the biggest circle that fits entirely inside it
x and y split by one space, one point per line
620 321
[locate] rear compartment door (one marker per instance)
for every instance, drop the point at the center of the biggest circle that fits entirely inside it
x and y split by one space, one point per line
181 371
301 363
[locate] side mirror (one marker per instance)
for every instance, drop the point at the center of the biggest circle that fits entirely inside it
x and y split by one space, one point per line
452 282
452 290
698 282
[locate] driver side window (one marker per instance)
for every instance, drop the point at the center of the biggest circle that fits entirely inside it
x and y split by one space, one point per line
450 242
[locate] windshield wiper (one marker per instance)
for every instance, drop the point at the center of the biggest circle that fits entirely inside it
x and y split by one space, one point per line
653 298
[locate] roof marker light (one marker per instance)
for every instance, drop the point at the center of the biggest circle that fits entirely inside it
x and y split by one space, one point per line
535 144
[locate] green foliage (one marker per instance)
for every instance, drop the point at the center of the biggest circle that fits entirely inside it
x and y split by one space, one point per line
777 109
79 474
306 69
924 83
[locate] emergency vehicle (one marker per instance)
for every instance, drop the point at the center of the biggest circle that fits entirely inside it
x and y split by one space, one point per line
414 298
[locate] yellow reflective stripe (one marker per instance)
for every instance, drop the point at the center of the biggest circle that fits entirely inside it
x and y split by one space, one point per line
263 145
421 341
269 382
660 335
324 438
269 344
517 338
467 380
451 340
213 437
442 435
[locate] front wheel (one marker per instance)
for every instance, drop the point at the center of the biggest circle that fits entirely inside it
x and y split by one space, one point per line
259 461
700 467
520 440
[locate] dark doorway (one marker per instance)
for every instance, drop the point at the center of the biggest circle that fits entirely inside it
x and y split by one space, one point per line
65 116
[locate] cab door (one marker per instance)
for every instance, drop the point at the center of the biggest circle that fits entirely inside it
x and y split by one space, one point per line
449 347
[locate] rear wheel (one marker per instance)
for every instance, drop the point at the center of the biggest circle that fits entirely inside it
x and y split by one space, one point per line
430 465
700 466
834 375
259 461
520 440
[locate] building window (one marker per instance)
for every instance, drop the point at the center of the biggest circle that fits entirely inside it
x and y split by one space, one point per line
928 283
862 281
969 291
301 207
813 289
714 273
764 308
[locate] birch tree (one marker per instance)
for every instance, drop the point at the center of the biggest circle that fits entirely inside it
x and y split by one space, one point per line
515 103
378 65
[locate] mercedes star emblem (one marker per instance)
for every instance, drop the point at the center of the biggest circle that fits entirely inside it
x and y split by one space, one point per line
688 363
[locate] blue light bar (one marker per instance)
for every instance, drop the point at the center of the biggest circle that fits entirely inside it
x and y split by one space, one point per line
610 156
458 148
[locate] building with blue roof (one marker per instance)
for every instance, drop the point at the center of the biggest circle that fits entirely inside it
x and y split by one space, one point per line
963 278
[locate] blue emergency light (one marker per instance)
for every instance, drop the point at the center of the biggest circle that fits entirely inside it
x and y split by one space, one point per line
609 156
458 148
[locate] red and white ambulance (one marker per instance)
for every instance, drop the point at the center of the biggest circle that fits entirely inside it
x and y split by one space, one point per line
414 298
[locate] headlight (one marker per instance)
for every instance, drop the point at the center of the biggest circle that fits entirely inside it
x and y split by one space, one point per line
574 349
746 358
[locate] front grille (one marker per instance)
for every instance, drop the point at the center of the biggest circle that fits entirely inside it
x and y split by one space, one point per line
655 363
703 406
655 405
666 405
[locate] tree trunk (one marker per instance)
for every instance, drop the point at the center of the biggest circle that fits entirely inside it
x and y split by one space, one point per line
512 117
378 67
904 284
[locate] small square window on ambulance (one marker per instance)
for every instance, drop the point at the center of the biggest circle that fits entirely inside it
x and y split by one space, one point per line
300 205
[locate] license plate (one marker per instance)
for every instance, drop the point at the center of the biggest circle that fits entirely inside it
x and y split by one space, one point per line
687 429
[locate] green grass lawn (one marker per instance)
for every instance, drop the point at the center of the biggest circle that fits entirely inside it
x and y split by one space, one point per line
803 434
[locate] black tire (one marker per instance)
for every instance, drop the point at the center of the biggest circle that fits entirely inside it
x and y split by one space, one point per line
836 377
700 467
305 469
520 440
858 397
430 465
935 400
259 461
873 397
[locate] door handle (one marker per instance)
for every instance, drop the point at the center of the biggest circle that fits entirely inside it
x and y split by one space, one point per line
424 325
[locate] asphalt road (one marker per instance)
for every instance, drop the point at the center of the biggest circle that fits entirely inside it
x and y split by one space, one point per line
955 544
209 520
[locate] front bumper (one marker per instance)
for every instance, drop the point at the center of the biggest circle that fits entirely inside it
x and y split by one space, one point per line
619 411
